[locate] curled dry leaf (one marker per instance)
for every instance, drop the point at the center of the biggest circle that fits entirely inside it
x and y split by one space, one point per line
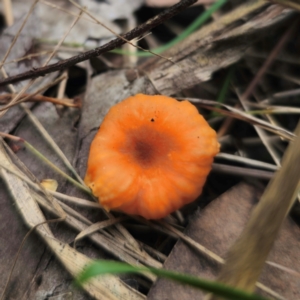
49 184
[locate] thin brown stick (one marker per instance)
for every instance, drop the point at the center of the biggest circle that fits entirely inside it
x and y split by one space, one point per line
136 32
21 97
225 127
29 57
71 13
39 126
5 98
269 61
229 121
25 88
11 87
116 34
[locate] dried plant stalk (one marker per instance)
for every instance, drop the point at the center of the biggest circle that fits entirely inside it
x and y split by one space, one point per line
247 257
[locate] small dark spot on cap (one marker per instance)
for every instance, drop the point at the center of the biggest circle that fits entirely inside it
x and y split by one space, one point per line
152 120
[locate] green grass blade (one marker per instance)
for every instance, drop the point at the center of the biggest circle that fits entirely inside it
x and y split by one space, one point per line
102 267
224 90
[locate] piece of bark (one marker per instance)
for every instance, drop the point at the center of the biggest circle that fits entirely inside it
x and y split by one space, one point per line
212 48
217 227
12 118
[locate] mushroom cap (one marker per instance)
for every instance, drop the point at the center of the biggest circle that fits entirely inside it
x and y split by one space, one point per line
151 156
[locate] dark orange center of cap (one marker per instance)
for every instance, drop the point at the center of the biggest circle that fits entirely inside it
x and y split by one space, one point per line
147 146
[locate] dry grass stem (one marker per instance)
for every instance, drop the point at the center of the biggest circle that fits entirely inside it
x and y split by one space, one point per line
283 268
97 226
288 3
77 201
241 115
8 13
18 33
27 57
284 39
248 255
37 98
247 161
66 10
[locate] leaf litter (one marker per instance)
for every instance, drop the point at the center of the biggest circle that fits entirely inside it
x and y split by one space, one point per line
110 88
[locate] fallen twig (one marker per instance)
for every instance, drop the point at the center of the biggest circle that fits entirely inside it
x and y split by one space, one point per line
134 33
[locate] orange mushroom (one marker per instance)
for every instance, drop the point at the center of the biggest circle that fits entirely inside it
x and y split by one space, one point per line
151 156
